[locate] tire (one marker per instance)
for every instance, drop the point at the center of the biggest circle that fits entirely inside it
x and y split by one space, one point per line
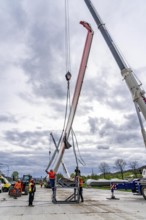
144 192
12 191
5 189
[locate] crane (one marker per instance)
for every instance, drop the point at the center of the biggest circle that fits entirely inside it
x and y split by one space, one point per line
138 94
63 165
64 142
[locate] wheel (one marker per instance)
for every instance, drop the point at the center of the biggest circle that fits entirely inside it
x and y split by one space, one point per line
12 191
144 192
19 193
5 189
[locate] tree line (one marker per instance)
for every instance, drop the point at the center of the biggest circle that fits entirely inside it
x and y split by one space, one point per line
120 165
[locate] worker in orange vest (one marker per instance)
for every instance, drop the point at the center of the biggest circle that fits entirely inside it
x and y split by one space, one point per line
18 188
52 176
81 189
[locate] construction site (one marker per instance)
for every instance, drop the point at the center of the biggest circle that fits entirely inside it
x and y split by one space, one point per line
62 199
97 205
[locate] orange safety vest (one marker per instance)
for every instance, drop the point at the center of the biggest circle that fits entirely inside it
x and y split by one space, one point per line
80 181
52 175
17 185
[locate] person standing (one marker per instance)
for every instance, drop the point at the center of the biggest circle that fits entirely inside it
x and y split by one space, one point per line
41 183
77 175
81 189
77 171
18 189
32 189
52 176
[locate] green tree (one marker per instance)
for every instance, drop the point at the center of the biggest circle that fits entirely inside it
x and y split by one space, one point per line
59 175
72 175
104 168
15 175
134 166
120 165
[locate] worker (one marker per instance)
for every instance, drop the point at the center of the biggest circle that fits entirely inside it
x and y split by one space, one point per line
77 171
18 188
81 188
32 189
52 176
113 187
41 183
77 174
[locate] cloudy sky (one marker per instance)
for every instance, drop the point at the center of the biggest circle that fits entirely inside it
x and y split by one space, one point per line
33 86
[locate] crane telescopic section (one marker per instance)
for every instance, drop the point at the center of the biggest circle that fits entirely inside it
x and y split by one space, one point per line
132 83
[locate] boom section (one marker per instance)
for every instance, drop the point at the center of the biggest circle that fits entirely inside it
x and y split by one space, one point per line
77 91
135 89
80 78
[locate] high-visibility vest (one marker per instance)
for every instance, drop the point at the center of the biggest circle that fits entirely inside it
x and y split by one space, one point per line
113 186
17 185
52 175
30 187
80 181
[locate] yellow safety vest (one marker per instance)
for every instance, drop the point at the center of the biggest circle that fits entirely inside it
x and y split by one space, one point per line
30 187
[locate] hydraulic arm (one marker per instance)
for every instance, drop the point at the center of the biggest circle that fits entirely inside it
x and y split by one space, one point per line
76 94
135 89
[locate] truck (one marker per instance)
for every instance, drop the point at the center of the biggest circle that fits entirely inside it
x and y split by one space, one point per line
25 182
138 94
24 186
137 186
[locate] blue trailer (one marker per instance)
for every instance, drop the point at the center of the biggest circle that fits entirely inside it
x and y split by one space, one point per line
136 186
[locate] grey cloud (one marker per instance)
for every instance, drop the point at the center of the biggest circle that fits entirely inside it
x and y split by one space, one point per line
25 162
46 62
50 89
104 147
114 96
8 118
119 134
26 139
14 17
93 124
131 121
